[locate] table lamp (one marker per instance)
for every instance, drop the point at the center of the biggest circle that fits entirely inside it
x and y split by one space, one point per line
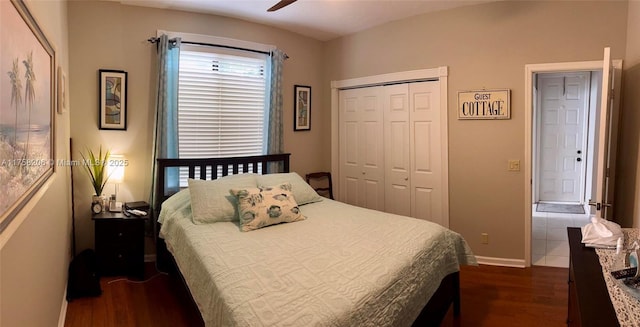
115 171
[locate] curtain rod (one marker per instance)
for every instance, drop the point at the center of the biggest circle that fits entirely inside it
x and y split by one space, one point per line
156 40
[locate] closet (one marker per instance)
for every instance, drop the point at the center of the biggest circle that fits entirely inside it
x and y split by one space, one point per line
391 150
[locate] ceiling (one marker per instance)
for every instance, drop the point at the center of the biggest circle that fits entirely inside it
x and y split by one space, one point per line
320 19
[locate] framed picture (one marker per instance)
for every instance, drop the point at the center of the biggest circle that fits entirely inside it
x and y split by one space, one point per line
113 99
27 109
302 108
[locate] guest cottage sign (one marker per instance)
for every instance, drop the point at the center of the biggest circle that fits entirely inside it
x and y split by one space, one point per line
484 104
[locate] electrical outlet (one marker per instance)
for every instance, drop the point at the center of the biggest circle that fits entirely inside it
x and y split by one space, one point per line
484 238
514 165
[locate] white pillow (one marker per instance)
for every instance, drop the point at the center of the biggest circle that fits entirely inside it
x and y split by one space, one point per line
211 201
177 204
302 191
265 206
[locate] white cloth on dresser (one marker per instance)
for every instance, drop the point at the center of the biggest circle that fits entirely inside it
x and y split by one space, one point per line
601 233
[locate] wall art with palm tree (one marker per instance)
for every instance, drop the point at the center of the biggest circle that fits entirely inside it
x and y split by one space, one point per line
27 104
113 99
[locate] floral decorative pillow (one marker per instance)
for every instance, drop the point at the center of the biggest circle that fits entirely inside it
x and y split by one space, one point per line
267 205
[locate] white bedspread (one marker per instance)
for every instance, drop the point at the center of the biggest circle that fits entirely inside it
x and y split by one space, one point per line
343 266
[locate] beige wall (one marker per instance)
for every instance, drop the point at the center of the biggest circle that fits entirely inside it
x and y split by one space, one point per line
120 43
35 248
485 46
627 184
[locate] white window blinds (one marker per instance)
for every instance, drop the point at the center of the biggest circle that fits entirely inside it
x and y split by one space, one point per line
221 104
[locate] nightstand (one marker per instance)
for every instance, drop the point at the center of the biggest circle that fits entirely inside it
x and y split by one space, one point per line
119 242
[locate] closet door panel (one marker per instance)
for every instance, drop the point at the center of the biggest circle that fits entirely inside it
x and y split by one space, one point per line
351 190
372 166
424 209
426 149
398 199
396 149
397 191
423 137
372 150
361 147
373 192
351 143
349 146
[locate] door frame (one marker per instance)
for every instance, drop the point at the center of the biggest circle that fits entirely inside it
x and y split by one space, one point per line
537 127
440 74
530 70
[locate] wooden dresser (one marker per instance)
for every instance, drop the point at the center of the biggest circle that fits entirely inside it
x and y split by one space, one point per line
589 302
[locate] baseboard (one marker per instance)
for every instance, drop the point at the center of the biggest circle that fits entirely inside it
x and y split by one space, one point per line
63 309
149 258
518 263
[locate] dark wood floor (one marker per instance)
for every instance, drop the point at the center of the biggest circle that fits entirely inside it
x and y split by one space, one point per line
160 300
491 296
502 296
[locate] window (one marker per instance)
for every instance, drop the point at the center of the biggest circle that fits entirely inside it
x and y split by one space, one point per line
221 105
222 101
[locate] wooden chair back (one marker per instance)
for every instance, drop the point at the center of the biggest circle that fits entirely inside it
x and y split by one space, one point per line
321 182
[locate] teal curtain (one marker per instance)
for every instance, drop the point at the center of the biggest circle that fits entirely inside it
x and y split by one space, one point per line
166 122
275 143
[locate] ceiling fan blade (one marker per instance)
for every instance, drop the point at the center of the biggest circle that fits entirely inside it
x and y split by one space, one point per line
281 4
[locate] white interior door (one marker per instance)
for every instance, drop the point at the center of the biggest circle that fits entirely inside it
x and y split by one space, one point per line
426 152
603 194
361 147
563 109
396 144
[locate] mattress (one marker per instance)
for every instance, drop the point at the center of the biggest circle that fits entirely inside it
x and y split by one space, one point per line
342 266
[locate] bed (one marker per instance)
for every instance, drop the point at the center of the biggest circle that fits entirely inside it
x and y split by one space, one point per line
340 266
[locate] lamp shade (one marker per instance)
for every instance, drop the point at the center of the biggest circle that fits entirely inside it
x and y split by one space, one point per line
115 168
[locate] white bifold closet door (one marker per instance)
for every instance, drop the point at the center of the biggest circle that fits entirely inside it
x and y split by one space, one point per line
361 147
397 147
401 138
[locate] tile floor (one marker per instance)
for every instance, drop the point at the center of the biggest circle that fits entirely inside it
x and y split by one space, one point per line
550 246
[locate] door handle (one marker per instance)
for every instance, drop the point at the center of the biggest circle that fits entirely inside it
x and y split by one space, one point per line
600 205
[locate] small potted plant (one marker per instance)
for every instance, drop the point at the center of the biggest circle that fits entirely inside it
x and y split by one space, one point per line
96 167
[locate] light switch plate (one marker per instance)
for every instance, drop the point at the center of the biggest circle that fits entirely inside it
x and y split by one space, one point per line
514 165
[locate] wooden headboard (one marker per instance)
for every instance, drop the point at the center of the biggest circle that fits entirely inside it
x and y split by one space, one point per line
211 168
217 167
